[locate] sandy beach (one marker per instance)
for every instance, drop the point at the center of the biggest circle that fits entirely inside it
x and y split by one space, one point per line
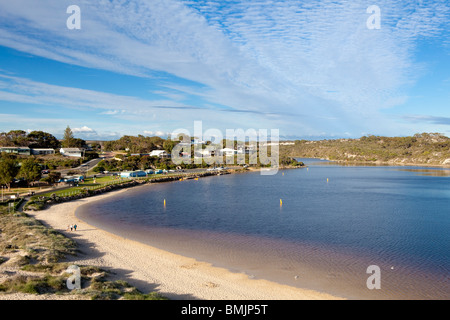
151 269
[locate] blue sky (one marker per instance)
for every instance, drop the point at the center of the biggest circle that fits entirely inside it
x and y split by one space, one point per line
312 69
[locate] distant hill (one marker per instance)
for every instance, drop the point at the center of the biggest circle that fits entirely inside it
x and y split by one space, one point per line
420 149
139 144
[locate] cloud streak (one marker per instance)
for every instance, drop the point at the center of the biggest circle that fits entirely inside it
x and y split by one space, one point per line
311 60
428 119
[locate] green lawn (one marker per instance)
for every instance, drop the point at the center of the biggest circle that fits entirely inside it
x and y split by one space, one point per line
101 182
89 183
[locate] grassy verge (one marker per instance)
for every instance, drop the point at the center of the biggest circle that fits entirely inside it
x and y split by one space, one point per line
92 184
32 255
92 187
10 205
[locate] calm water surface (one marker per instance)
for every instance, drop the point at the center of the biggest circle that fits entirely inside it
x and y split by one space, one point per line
333 223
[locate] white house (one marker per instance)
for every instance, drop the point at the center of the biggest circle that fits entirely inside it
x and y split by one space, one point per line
198 141
227 152
159 153
204 153
246 150
71 152
133 174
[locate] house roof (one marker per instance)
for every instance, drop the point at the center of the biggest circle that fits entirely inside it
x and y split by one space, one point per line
71 149
157 151
22 148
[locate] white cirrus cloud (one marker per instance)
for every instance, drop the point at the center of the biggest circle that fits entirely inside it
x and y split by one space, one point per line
303 60
158 133
84 129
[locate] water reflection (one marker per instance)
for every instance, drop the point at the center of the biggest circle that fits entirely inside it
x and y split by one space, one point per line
435 172
422 171
325 162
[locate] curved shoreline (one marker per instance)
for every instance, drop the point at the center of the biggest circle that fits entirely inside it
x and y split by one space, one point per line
151 269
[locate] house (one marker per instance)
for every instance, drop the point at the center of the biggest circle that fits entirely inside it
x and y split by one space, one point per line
204 153
137 174
197 141
246 150
159 153
125 174
42 151
72 179
226 152
24 151
72 152
133 174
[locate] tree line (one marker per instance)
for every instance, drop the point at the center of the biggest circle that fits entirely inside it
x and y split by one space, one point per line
40 139
34 139
27 169
132 144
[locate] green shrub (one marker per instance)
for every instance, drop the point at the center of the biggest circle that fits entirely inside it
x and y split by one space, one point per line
143 296
34 284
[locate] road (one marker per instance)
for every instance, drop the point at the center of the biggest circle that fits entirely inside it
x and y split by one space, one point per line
83 169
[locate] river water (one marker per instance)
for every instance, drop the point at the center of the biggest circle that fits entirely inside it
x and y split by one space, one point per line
318 227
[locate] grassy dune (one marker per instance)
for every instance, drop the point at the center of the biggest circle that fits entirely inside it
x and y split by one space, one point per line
32 262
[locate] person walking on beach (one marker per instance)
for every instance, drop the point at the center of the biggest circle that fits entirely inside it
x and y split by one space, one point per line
75 227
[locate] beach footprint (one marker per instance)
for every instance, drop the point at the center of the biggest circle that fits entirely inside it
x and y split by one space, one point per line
189 266
210 284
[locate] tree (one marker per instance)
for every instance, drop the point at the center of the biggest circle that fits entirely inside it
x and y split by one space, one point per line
30 170
68 140
8 170
100 167
139 144
96 146
168 145
78 143
18 138
52 177
5 140
41 139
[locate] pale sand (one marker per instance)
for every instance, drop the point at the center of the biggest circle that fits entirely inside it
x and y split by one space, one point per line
151 269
